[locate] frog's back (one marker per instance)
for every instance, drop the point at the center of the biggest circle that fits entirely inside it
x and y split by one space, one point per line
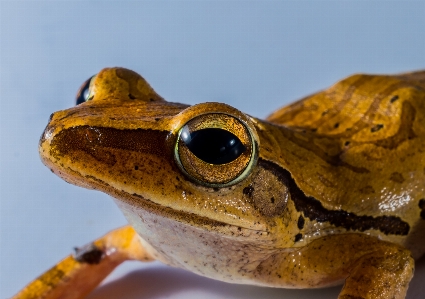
365 138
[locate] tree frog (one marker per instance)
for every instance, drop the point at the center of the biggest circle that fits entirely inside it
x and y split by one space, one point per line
328 190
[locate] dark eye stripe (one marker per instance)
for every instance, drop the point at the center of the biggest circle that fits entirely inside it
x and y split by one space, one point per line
213 145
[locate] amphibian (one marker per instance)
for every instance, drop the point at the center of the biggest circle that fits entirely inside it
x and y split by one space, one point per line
325 191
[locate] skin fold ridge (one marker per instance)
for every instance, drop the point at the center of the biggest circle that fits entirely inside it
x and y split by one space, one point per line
314 210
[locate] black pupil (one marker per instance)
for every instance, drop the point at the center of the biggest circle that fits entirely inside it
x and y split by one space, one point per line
214 146
83 93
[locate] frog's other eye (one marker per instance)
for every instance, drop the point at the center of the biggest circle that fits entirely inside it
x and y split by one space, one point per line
215 149
83 94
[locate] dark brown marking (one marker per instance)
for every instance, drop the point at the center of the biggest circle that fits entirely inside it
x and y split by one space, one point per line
136 167
132 97
99 142
393 99
405 131
248 191
301 222
298 237
376 128
397 177
367 189
422 207
89 254
314 210
336 125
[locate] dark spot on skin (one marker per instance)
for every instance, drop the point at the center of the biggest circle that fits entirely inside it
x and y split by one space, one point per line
157 118
313 130
301 222
324 112
216 189
405 131
314 210
397 177
336 125
89 254
393 99
248 191
131 96
347 143
136 167
367 189
376 128
298 237
151 99
272 200
422 206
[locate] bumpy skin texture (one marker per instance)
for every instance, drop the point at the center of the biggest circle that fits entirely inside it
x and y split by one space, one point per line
335 192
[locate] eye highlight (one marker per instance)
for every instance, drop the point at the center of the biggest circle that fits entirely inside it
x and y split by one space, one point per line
215 149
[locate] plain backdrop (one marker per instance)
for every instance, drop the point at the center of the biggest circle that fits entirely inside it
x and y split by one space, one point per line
256 56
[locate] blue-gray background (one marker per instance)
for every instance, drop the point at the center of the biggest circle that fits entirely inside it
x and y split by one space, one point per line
256 56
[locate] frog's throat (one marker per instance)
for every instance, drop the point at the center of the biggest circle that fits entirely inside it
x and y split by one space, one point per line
314 210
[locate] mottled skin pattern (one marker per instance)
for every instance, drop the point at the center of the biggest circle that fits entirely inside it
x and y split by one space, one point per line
336 192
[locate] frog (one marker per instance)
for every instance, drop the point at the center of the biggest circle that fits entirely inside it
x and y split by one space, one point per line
326 191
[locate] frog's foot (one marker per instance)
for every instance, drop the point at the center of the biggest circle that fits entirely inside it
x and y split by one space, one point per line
380 275
77 275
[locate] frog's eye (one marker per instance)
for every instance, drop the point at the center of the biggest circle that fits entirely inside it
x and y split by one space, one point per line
83 94
215 149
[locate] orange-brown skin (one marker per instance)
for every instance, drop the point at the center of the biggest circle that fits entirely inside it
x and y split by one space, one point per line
82 272
334 193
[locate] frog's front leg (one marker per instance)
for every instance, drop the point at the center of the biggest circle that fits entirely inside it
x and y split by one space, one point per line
371 268
77 275
380 275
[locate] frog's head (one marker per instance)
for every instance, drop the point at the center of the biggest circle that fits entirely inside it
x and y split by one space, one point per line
202 161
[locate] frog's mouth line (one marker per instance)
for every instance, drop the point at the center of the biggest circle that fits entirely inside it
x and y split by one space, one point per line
73 177
191 219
